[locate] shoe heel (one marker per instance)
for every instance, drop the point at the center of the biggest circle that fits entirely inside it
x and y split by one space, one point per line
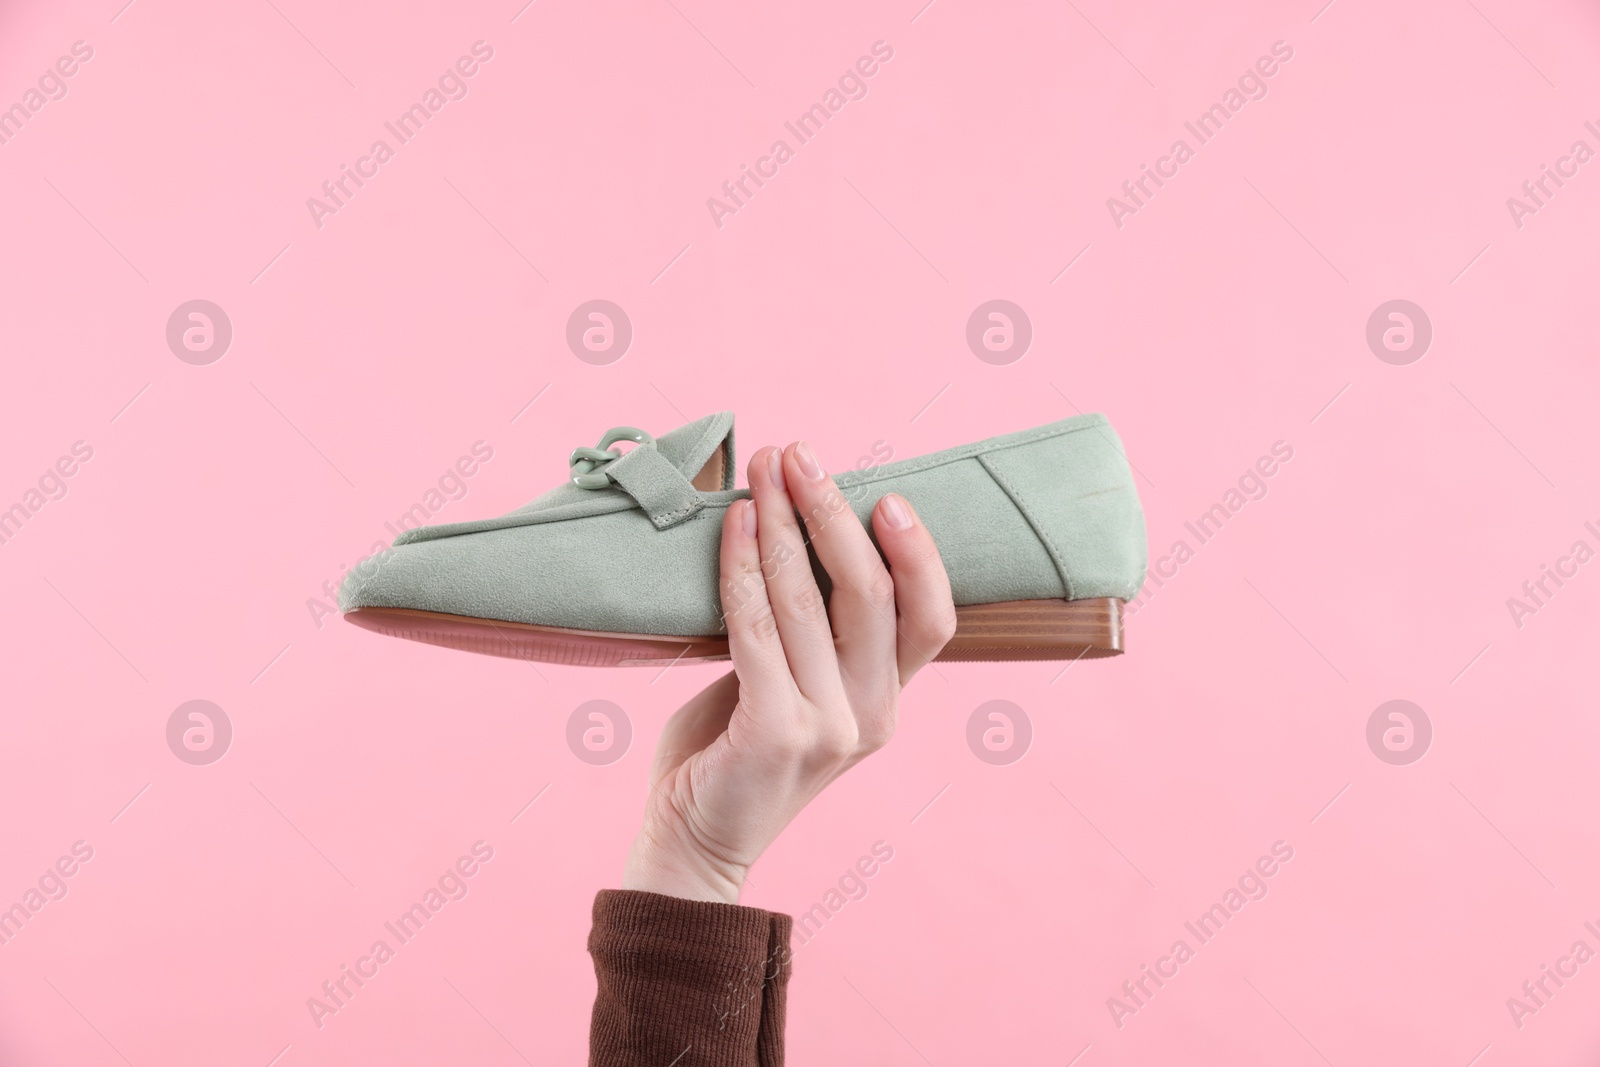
1037 629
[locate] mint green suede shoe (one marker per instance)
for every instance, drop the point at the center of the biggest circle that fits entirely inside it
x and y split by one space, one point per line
1040 531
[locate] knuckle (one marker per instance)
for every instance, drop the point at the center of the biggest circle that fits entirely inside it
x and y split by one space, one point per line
879 588
876 730
808 602
837 739
833 503
828 509
763 624
942 624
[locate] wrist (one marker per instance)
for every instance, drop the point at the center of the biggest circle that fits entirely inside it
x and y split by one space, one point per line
677 870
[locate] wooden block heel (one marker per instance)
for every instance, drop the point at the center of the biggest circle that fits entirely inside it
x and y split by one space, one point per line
1015 630
1036 629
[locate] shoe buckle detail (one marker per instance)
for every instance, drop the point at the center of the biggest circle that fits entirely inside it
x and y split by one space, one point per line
589 464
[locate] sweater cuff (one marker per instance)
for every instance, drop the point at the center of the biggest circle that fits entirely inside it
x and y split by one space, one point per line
686 982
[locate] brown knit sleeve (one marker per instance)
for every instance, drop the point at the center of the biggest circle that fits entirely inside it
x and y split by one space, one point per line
775 991
688 983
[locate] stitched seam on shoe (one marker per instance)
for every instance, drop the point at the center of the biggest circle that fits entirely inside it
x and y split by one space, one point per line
666 519
1038 528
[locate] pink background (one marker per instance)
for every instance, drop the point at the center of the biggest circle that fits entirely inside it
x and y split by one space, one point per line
1229 313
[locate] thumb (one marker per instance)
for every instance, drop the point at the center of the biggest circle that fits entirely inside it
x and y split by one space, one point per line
693 727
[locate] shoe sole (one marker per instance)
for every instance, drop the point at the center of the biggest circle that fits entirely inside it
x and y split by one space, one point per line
1010 631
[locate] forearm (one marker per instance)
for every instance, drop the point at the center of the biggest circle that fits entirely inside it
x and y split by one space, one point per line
686 982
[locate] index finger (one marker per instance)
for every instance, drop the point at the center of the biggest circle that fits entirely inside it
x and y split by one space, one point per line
753 640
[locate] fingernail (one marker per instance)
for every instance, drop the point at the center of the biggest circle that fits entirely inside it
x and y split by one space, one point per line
749 518
775 466
896 513
807 460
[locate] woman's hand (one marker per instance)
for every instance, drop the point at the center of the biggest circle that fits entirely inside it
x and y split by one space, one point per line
815 685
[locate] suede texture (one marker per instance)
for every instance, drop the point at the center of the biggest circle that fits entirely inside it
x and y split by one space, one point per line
1045 513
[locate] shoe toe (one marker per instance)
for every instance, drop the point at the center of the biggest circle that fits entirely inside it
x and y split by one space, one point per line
449 576
616 574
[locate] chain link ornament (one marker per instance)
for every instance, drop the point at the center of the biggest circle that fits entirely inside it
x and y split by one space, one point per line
589 464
